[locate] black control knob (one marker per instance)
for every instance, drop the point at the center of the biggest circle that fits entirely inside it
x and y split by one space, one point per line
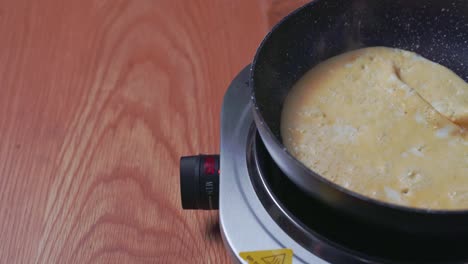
199 182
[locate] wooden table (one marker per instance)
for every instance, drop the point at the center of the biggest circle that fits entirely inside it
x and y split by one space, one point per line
98 101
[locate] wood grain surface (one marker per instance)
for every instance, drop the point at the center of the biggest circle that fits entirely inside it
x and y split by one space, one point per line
98 101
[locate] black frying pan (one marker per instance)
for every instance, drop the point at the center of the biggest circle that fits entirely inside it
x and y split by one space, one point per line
436 29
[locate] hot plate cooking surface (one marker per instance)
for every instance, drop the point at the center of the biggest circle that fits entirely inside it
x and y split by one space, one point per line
330 235
260 209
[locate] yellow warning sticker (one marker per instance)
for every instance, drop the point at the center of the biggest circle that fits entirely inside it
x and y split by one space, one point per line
277 256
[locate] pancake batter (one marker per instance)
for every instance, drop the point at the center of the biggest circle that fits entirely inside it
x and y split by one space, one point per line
385 123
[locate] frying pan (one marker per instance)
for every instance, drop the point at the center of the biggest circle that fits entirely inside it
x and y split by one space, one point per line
435 29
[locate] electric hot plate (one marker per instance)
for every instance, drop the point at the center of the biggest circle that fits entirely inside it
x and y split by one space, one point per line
261 209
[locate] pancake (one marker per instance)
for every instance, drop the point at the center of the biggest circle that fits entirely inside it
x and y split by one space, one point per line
385 123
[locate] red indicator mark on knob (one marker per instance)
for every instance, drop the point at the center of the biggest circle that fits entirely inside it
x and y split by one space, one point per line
209 165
